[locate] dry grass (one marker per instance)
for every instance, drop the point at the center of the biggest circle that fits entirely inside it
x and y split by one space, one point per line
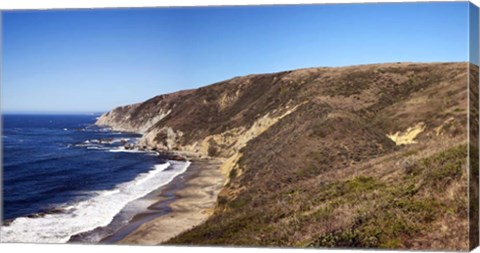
326 174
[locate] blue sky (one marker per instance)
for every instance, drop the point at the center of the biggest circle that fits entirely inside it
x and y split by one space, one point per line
474 34
95 60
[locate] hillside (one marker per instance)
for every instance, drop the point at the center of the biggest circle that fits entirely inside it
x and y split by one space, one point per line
360 156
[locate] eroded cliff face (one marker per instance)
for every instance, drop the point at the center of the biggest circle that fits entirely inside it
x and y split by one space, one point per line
299 131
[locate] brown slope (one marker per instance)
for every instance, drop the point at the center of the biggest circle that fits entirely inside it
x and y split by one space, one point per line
370 90
309 160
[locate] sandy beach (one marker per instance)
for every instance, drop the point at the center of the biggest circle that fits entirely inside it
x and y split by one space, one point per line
184 203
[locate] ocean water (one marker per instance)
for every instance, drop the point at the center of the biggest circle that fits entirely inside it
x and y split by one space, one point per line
62 176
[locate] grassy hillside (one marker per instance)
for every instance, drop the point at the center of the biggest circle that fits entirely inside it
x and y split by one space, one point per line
361 156
355 211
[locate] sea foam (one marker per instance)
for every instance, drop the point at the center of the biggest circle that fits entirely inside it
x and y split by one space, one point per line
86 215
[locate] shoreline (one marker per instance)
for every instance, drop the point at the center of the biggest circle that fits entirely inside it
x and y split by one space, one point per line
135 207
185 202
193 193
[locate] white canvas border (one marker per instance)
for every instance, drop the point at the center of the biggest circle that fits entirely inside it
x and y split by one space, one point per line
75 4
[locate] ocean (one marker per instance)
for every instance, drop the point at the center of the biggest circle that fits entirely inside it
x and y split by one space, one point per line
62 176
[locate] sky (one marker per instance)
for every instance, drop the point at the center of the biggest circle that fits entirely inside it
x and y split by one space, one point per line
94 60
474 34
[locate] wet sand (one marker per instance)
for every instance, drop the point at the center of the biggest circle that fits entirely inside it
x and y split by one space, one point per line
184 203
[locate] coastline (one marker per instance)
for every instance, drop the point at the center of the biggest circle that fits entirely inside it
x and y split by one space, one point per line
104 207
185 202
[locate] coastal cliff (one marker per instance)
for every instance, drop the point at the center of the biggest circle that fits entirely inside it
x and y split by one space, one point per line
359 156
